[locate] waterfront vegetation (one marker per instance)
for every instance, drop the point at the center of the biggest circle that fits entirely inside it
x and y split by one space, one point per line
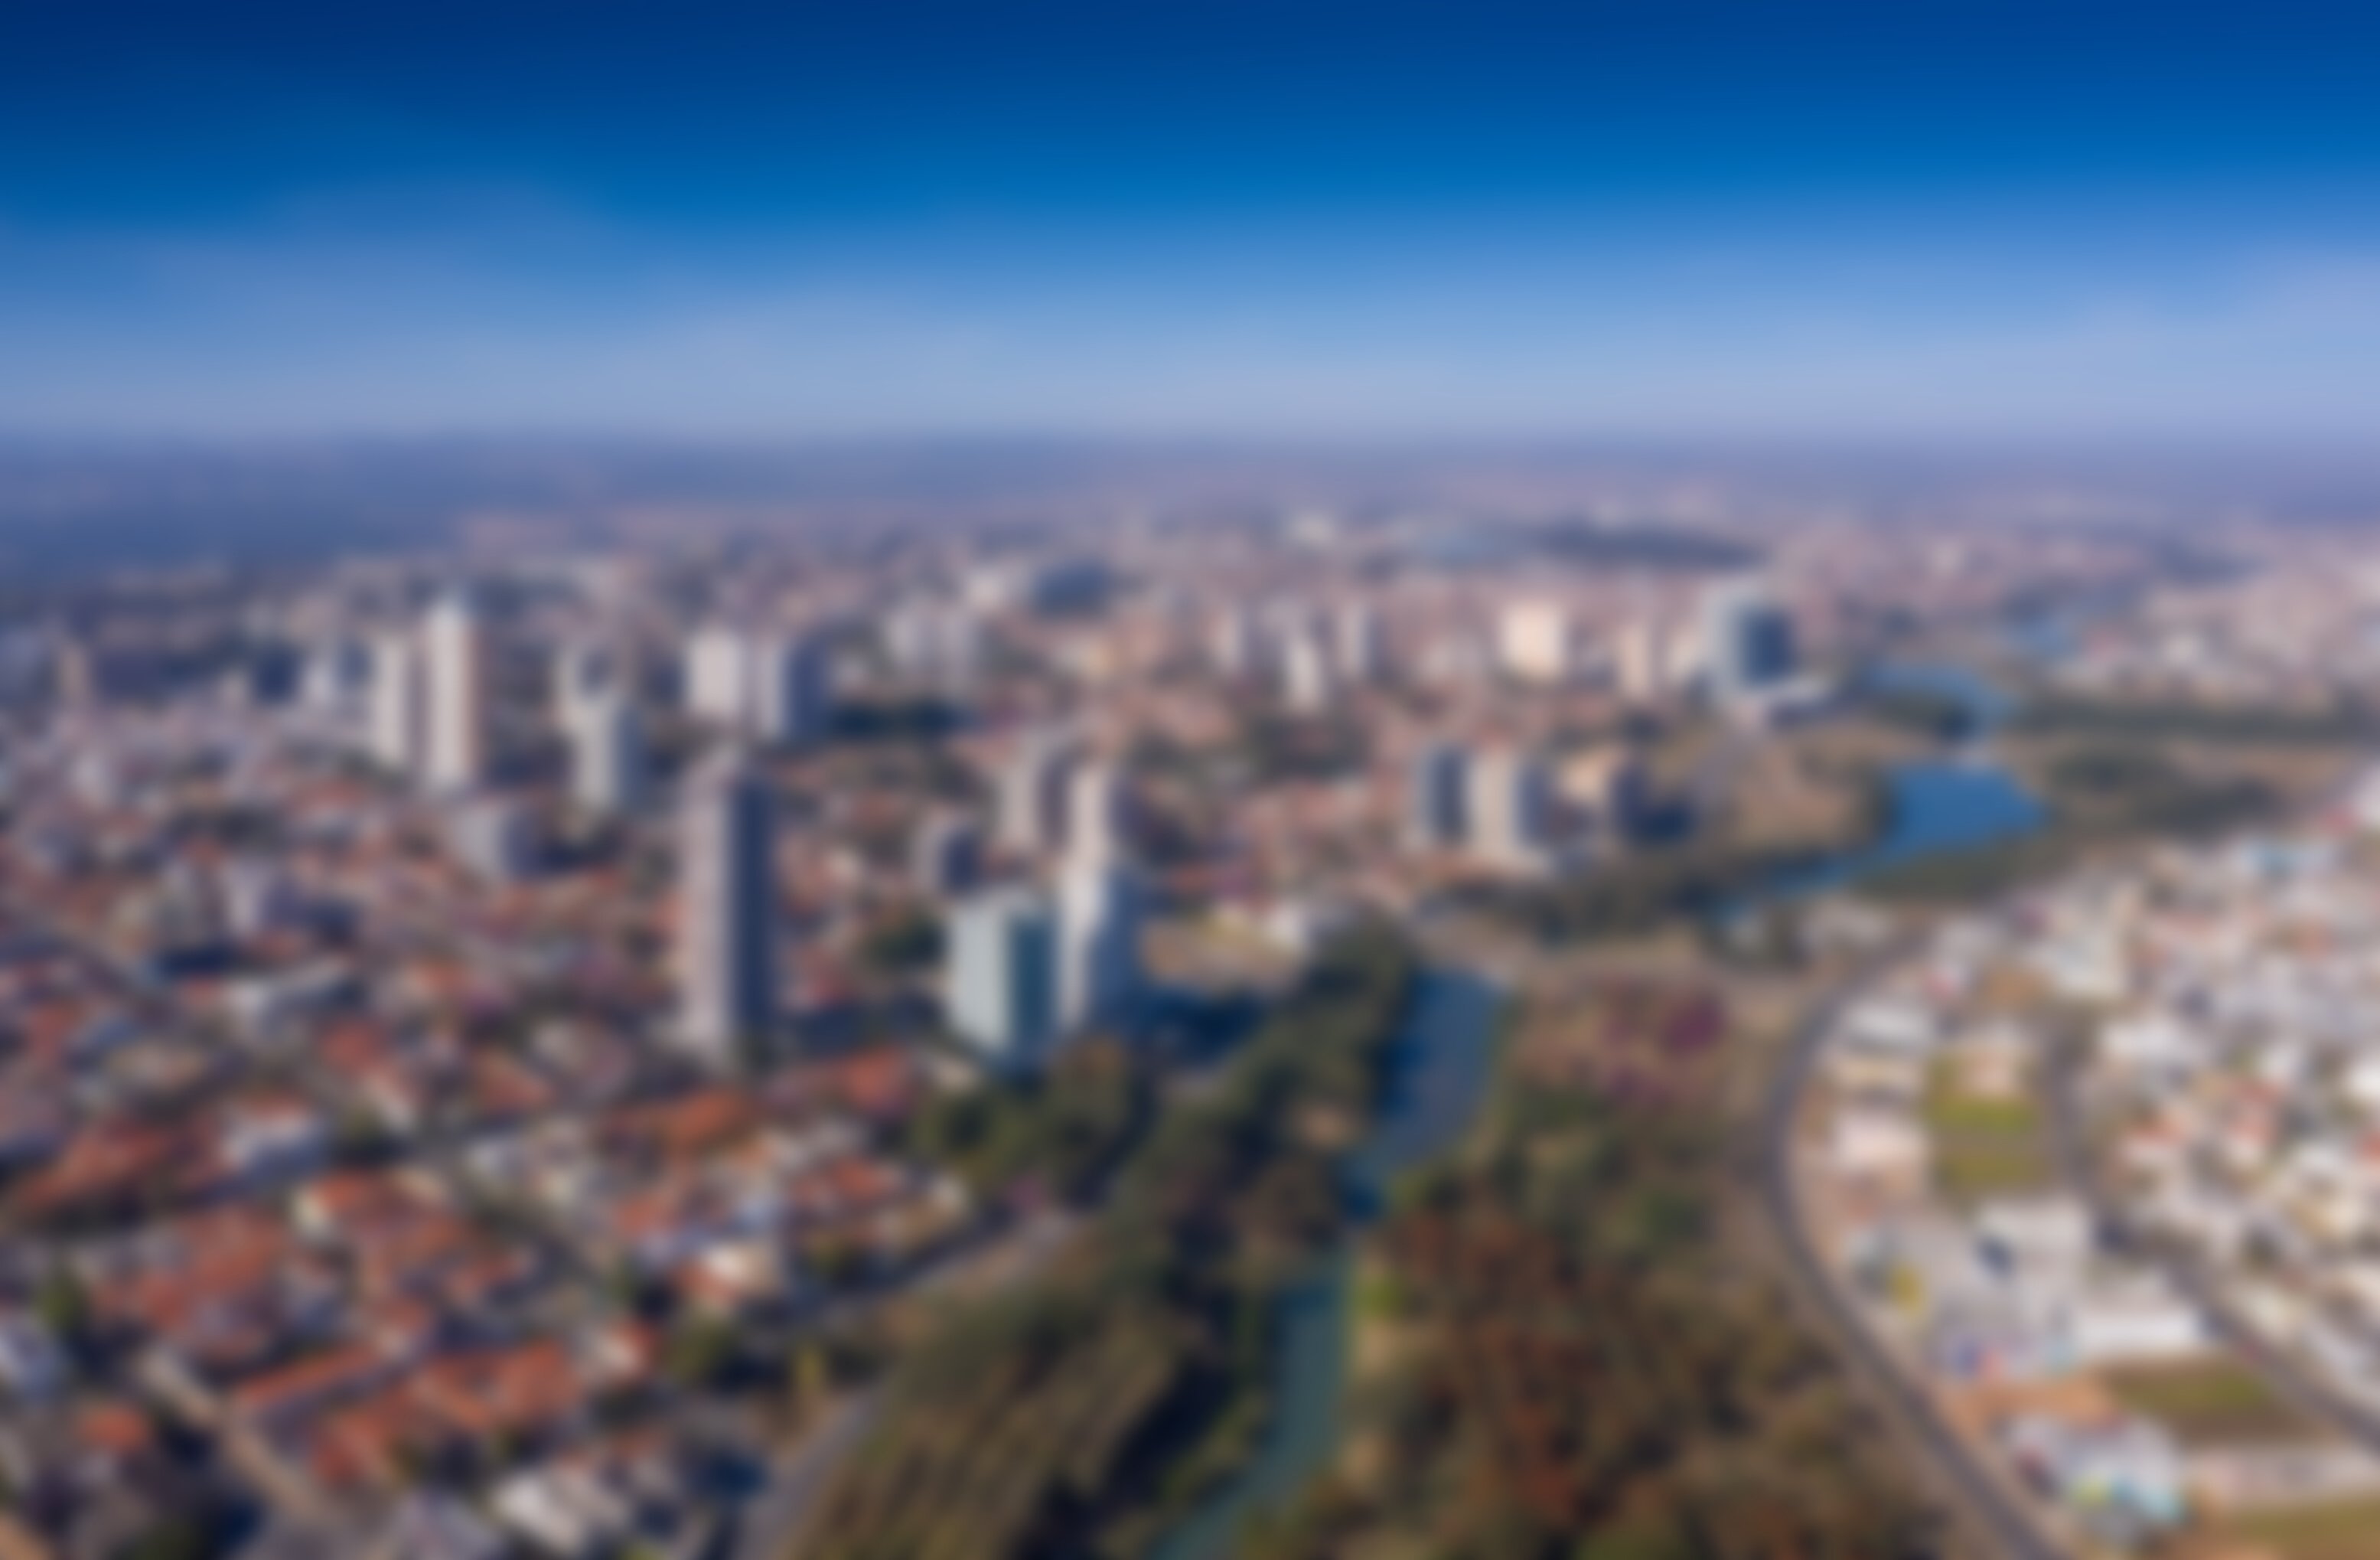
2101 791
1076 1420
1562 1356
1642 892
2338 722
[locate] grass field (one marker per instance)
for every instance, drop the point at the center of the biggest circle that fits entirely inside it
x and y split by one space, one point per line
2339 1531
1986 1146
2211 1402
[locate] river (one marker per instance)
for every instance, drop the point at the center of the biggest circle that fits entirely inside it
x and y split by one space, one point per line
1439 1074
1956 801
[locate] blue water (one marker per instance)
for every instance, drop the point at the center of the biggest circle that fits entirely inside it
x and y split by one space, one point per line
1446 1054
1964 801
1444 1058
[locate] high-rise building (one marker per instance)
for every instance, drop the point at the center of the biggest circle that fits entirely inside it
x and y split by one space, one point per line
1645 668
1001 990
582 669
493 836
727 966
338 673
608 762
1510 807
1357 635
933 641
454 654
774 688
1098 945
947 855
718 675
1098 817
1748 642
792 688
1236 643
1534 642
1437 810
1034 795
398 701
1307 683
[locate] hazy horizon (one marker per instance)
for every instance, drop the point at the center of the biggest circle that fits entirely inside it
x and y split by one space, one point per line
1848 221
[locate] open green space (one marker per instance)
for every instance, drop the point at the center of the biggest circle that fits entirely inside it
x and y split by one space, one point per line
1986 1145
2335 1530
2210 1402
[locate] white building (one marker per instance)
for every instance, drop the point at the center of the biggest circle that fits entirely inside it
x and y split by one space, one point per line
398 703
792 688
1000 995
1360 651
771 688
1034 795
608 762
1508 808
1533 641
454 653
1098 945
719 676
1098 818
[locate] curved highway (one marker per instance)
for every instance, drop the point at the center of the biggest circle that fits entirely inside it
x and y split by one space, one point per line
1996 1508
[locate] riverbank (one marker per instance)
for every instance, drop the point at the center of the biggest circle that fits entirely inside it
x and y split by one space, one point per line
1086 1414
1443 1059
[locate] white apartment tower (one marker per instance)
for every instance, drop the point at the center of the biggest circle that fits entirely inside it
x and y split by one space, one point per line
608 768
1034 795
1532 642
455 653
1098 944
397 700
1510 807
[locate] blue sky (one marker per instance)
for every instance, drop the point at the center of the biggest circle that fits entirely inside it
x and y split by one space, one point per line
1923 218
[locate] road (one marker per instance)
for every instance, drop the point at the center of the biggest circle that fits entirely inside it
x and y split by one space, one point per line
1998 1510
766 1527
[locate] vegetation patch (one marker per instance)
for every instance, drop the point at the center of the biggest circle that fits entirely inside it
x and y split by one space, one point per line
2211 1402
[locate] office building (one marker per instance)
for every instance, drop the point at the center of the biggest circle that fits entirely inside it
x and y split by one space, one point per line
454 664
727 974
1001 992
1748 641
1436 805
608 761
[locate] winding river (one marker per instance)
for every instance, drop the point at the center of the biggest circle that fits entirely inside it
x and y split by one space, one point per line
1956 801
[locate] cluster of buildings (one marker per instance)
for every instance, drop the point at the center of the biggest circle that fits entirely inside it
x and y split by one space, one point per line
436 1001
2062 1159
